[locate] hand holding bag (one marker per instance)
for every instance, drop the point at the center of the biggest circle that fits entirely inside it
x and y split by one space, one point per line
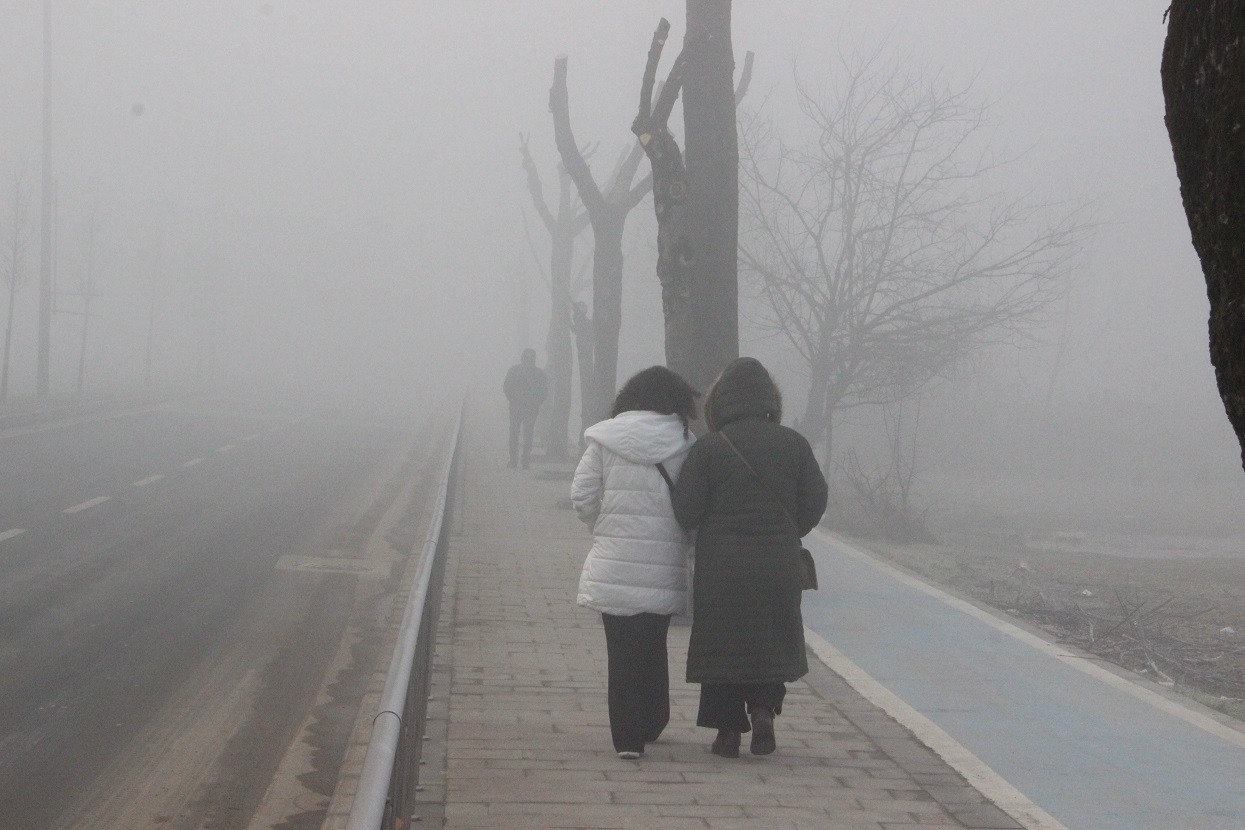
808 568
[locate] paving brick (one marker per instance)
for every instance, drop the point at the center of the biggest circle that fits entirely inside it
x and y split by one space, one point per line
524 740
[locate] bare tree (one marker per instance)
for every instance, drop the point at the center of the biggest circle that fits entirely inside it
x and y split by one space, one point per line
563 228
17 239
88 279
709 135
1203 64
878 256
153 292
700 339
607 212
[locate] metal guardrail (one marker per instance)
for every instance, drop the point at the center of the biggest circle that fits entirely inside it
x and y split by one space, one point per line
373 799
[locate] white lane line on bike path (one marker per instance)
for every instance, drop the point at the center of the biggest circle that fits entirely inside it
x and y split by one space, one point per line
143 482
988 782
86 505
9 534
1061 653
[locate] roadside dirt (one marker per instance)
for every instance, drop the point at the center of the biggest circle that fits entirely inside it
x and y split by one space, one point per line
1169 608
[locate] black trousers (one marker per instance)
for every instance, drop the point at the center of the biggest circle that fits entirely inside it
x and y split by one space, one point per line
727 705
525 422
639 678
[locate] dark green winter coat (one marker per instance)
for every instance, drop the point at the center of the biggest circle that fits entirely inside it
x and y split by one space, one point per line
746 623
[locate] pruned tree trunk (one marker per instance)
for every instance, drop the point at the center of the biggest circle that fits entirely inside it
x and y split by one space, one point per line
674 243
563 229
17 239
80 386
151 341
712 188
8 344
1204 87
695 234
814 423
581 325
559 359
607 213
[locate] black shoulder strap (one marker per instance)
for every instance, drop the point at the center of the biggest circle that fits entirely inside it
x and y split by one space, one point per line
661 468
760 481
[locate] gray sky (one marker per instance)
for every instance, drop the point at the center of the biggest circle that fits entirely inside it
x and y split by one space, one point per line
340 180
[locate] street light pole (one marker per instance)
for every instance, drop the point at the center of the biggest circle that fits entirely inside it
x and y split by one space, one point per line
43 385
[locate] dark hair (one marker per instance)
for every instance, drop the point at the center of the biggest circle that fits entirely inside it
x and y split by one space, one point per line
657 389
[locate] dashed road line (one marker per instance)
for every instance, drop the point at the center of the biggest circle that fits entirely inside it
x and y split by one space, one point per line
226 448
9 534
192 462
143 482
86 505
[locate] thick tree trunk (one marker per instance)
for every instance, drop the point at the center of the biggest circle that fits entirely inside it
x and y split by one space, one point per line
712 188
697 212
607 273
581 325
86 321
554 422
607 213
559 359
8 342
151 340
1204 87
813 423
674 244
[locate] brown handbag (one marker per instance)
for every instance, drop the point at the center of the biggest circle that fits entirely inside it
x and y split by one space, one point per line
808 568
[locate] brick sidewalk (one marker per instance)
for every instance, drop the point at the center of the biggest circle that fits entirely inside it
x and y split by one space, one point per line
522 740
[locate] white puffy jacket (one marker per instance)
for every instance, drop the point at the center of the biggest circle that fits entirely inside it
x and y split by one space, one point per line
638 560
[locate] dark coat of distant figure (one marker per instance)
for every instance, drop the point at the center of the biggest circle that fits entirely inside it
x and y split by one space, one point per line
526 389
747 627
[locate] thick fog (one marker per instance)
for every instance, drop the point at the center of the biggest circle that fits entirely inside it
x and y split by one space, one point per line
328 196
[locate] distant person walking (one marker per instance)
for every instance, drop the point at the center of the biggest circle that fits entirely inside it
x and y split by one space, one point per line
636 571
526 388
747 638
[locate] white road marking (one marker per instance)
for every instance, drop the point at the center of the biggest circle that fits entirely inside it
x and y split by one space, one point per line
9 534
226 448
148 480
323 564
251 437
1172 707
193 462
988 782
86 505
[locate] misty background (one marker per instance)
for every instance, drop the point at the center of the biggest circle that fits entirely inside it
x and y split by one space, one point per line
327 199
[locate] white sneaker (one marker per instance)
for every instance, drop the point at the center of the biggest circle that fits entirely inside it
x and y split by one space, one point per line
630 755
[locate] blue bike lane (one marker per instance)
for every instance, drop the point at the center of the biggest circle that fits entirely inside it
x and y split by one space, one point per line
1090 748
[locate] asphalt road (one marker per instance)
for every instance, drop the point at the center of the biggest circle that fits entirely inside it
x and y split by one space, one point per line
161 640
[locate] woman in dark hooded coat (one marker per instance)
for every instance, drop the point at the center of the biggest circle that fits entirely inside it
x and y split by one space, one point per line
747 638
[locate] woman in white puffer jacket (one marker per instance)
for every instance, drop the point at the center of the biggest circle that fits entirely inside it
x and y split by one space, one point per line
636 572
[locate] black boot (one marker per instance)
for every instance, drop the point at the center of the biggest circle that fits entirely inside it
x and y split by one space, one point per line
726 744
763 742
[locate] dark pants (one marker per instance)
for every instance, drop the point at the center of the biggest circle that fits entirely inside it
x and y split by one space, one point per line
527 423
727 705
639 678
